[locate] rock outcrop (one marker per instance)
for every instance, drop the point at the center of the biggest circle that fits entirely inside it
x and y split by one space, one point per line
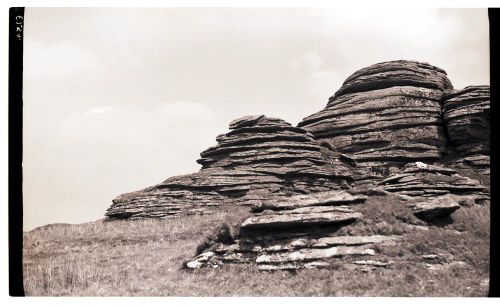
422 180
466 114
259 158
299 232
395 131
385 114
373 137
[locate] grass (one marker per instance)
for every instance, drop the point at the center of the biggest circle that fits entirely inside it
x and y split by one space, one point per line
144 258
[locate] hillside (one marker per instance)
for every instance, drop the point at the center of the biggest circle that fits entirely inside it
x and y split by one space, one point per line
145 258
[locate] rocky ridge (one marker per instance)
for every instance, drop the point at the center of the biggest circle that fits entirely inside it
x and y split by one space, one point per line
395 129
382 118
259 157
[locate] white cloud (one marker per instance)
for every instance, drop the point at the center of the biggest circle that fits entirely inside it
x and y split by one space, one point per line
185 112
98 110
57 60
117 126
311 60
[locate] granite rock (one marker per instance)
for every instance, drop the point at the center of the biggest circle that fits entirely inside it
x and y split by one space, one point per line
259 158
386 114
466 115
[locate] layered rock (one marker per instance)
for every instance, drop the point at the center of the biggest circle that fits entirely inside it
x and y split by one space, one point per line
333 229
395 73
379 128
259 158
299 232
430 181
436 208
466 114
385 114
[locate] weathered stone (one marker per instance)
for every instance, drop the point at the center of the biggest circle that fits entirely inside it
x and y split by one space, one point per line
293 266
195 264
290 237
396 73
355 240
467 117
393 127
205 256
299 219
259 159
444 266
437 258
245 121
466 114
384 115
282 267
374 263
423 180
436 208
317 199
314 254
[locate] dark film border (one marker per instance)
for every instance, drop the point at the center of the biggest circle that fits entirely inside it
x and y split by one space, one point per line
494 19
16 37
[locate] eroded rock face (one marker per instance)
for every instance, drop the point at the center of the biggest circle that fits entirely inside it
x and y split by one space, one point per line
466 114
423 180
385 114
394 127
259 158
400 131
299 232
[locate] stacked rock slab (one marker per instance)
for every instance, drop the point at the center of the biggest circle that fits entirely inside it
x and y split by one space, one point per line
386 114
299 232
467 117
435 184
259 158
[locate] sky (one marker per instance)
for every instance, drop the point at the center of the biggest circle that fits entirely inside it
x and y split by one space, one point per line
116 100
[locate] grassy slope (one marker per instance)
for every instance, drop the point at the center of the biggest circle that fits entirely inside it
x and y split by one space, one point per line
144 258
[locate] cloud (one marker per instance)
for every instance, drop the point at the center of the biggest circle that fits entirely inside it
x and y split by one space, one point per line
57 60
181 122
310 60
352 39
98 110
185 113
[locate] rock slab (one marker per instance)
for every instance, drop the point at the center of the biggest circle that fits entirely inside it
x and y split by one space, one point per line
294 234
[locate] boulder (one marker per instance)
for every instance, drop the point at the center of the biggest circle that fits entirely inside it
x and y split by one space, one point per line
292 219
305 255
386 114
395 73
317 199
436 208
